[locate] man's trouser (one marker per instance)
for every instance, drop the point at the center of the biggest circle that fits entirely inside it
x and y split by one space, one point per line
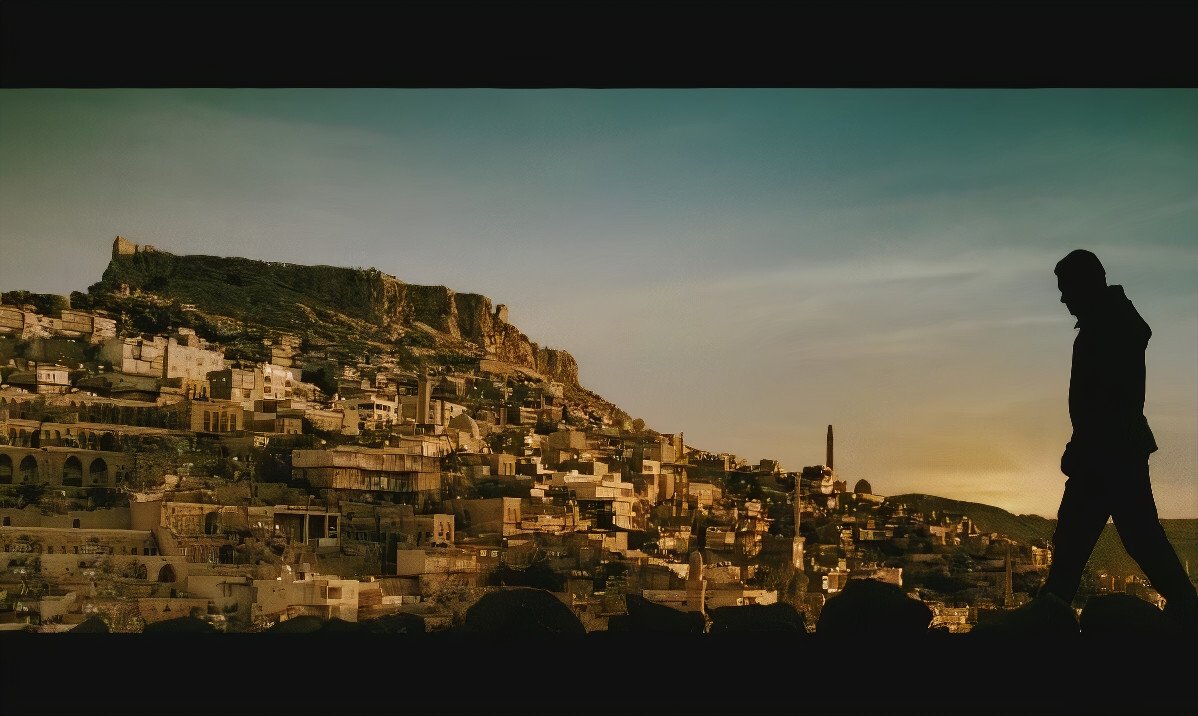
1118 488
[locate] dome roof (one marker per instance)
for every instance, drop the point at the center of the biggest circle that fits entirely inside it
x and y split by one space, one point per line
864 487
466 423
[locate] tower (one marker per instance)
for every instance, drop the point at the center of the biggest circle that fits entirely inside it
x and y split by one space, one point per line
696 585
123 247
1008 596
830 447
681 491
424 391
796 549
679 496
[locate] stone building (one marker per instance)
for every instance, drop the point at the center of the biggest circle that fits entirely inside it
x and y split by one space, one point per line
265 381
424 572
42 379
183 357
403 473
78 553
495 515
374 411
236 384
302 592
275 417
313 526
62 466
209 533
704 494
227 594
23 324
76 434
214 416
191 530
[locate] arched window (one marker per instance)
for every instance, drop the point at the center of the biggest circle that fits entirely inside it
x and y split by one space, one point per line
98 472
167 574
72 472
5 470
29 469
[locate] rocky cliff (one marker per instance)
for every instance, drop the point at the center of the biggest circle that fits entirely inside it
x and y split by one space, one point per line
328 302
558 365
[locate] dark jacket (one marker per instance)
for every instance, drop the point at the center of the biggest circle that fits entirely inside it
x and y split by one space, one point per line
1106 384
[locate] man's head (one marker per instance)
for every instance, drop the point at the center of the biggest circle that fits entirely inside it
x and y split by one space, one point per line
1081 279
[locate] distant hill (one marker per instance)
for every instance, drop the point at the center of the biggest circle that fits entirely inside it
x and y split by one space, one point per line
1023 528
1108 554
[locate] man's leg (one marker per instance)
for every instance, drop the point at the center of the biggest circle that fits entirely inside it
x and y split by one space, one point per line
1080 519
1145 540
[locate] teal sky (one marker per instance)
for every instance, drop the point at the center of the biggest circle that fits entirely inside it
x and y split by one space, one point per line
743 265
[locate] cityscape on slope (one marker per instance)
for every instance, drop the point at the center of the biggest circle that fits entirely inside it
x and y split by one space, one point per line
239 444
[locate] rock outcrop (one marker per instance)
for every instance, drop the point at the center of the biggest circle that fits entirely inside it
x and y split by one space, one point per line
291 297
868 608
557 365
521 612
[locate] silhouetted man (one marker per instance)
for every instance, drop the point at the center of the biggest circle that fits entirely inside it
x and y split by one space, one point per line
1106 460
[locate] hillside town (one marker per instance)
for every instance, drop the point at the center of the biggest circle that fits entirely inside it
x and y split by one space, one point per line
150 476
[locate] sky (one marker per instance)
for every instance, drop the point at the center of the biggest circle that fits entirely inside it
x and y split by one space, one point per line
747 266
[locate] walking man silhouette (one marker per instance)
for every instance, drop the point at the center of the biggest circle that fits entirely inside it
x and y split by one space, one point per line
1106 460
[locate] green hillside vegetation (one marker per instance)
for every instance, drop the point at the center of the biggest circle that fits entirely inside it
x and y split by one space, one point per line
1109 553
235 296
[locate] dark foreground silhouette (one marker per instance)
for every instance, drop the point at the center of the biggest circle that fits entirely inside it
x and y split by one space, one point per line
869 609
522 651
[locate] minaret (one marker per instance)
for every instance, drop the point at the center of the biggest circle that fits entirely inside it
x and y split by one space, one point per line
686 493
679 496
796 550
696 585
1008 596
830 447
424 391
